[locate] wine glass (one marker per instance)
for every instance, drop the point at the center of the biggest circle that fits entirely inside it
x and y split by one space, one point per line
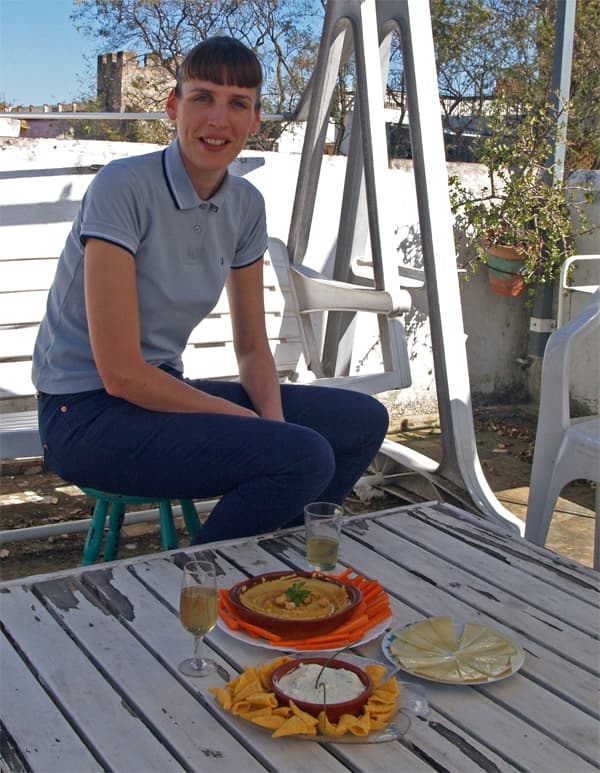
198 613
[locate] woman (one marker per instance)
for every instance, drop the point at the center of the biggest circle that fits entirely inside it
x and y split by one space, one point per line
156 239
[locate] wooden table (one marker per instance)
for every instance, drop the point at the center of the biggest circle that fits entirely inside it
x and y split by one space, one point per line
89 679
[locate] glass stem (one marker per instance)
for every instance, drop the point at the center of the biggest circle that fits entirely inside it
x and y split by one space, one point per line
198 652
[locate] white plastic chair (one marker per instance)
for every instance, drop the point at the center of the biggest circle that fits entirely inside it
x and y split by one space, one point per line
566 448
572 272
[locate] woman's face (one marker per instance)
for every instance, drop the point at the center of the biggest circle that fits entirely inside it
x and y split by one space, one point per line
213 124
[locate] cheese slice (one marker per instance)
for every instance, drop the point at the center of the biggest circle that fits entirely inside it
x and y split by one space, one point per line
471 632
414 663
486 666
445 631
470 673
403 648
492 643
421 638
445 672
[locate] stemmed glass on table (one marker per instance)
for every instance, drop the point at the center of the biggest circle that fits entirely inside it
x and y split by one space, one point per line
198 613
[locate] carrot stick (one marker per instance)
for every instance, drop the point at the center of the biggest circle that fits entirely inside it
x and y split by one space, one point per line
255 630
343 632
231 621
379 618
378 606
371 593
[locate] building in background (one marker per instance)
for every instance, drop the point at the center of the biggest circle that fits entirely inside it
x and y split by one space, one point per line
127 82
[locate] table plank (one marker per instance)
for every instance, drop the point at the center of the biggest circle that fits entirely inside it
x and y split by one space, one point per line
462 750
170 643
482 594
573 684
43 736
555 569
581 733
83 637
74 684
176 716
249 556
510 576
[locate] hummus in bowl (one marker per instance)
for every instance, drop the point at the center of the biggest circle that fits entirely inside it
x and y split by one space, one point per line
295 604
340 687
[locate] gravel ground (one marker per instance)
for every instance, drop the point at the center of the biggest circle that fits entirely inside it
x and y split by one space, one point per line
30 495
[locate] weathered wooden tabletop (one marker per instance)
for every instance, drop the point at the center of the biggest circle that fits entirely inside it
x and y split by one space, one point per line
89 657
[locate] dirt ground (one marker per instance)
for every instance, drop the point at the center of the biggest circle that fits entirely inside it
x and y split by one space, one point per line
31 496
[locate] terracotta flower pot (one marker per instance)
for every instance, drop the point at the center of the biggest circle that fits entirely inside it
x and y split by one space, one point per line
504 270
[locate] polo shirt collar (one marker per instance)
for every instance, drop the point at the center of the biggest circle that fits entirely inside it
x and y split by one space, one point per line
181 188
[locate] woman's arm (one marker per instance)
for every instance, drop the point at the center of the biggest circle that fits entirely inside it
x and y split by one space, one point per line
113 322
258 374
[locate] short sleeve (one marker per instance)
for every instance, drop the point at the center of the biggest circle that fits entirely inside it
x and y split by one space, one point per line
252 242
112 209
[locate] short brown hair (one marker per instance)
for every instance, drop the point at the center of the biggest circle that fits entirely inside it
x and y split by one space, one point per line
222 60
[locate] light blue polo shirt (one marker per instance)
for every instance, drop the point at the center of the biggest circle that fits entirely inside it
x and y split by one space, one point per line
183 248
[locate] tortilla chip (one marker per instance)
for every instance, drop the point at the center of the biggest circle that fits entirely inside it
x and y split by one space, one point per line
266 670
265 711
378 724
241 707
248 676
376 672
391 687
270 721
355 725
328 728
295 725
262 699
380 707
381 700
251 688
307 718
223 696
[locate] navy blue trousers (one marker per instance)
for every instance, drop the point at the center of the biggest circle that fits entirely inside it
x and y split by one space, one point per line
263 471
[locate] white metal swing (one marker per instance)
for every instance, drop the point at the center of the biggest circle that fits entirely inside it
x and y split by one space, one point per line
367 27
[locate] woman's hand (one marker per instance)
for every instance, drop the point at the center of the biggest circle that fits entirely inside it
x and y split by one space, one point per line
258 374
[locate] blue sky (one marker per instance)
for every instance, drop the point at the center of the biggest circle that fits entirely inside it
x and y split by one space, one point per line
42 57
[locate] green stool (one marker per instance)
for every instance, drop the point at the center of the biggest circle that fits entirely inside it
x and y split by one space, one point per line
117 502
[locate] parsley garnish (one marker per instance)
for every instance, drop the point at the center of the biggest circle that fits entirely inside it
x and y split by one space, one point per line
297 593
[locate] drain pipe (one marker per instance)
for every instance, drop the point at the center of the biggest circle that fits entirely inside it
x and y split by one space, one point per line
542 323
70 527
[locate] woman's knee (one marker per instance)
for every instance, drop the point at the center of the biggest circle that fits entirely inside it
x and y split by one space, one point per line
312 459
366 417
376 415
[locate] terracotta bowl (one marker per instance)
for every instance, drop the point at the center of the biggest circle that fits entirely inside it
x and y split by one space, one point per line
333 710
289 628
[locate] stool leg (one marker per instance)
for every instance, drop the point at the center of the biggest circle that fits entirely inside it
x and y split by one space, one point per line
190 516
113 537
168 535
93 539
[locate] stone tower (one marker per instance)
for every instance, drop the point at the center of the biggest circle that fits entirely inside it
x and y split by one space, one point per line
127 82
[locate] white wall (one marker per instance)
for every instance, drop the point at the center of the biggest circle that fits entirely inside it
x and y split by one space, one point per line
497 328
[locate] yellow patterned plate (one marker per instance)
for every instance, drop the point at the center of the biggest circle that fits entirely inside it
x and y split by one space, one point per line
440 649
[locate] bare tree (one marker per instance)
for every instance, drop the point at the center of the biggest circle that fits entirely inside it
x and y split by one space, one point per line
481 45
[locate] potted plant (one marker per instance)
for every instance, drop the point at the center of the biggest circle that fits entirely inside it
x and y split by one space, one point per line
523 220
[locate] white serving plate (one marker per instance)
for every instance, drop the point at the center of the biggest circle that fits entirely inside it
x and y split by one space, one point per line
371 634
516 660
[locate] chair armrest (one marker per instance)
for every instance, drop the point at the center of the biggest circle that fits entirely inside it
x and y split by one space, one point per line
554 389
316 292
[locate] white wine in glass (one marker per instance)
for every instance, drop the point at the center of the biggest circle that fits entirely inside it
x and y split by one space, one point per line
198 612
